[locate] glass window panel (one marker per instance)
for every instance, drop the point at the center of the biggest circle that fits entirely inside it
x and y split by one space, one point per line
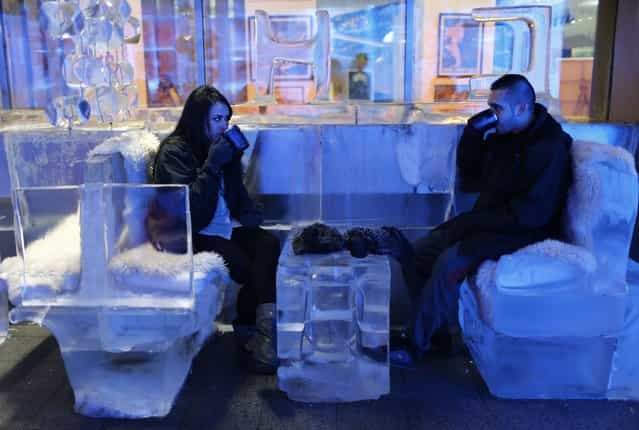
170 58
368 40
34 61
164 59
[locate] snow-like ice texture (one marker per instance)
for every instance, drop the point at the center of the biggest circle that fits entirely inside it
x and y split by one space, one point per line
524 314
332 326
137 316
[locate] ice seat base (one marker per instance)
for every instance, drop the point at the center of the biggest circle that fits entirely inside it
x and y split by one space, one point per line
543 367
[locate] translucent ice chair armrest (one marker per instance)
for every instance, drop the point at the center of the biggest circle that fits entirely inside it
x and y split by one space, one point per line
543 263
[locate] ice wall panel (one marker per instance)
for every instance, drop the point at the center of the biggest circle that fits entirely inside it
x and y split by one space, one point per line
400 175
284 170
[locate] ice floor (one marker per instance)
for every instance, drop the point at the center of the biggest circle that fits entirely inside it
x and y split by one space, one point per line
441 393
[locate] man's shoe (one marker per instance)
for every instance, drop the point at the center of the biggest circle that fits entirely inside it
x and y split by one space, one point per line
401 351
402 358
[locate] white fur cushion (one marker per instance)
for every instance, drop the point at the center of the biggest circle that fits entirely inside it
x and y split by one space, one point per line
604 185
146 270
542 263
52 264
137 149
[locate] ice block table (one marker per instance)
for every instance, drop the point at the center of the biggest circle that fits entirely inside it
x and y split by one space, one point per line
333 326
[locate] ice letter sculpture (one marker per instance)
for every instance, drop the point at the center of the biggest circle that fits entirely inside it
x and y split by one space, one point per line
332 326
530 26
271 52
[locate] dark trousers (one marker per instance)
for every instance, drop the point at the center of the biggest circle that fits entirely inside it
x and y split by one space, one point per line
433 276
251 256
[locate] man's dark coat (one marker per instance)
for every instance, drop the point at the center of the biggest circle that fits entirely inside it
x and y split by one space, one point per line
522 179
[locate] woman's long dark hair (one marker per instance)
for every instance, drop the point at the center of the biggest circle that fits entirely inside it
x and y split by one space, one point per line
192 124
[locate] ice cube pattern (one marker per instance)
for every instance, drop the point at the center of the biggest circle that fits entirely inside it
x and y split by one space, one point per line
333 326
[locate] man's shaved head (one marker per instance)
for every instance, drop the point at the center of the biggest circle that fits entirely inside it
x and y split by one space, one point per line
518 88
512 98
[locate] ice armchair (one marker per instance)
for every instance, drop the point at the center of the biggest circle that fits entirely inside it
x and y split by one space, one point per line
543 322
128 317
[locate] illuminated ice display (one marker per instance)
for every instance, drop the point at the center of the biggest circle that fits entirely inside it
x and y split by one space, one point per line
98 68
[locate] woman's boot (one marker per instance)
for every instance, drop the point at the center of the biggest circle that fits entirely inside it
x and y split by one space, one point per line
262 346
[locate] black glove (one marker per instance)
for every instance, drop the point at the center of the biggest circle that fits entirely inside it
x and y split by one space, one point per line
253 218
220 153
483 121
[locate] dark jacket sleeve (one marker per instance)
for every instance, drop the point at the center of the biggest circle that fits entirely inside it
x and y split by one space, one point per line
471 152
173 165
546 181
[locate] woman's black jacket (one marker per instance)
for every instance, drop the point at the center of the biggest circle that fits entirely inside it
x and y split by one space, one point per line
177 163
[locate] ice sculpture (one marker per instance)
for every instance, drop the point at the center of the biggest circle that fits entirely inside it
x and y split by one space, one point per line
108 268
98 67
524 314
530 31
332 326
559 367
271 52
